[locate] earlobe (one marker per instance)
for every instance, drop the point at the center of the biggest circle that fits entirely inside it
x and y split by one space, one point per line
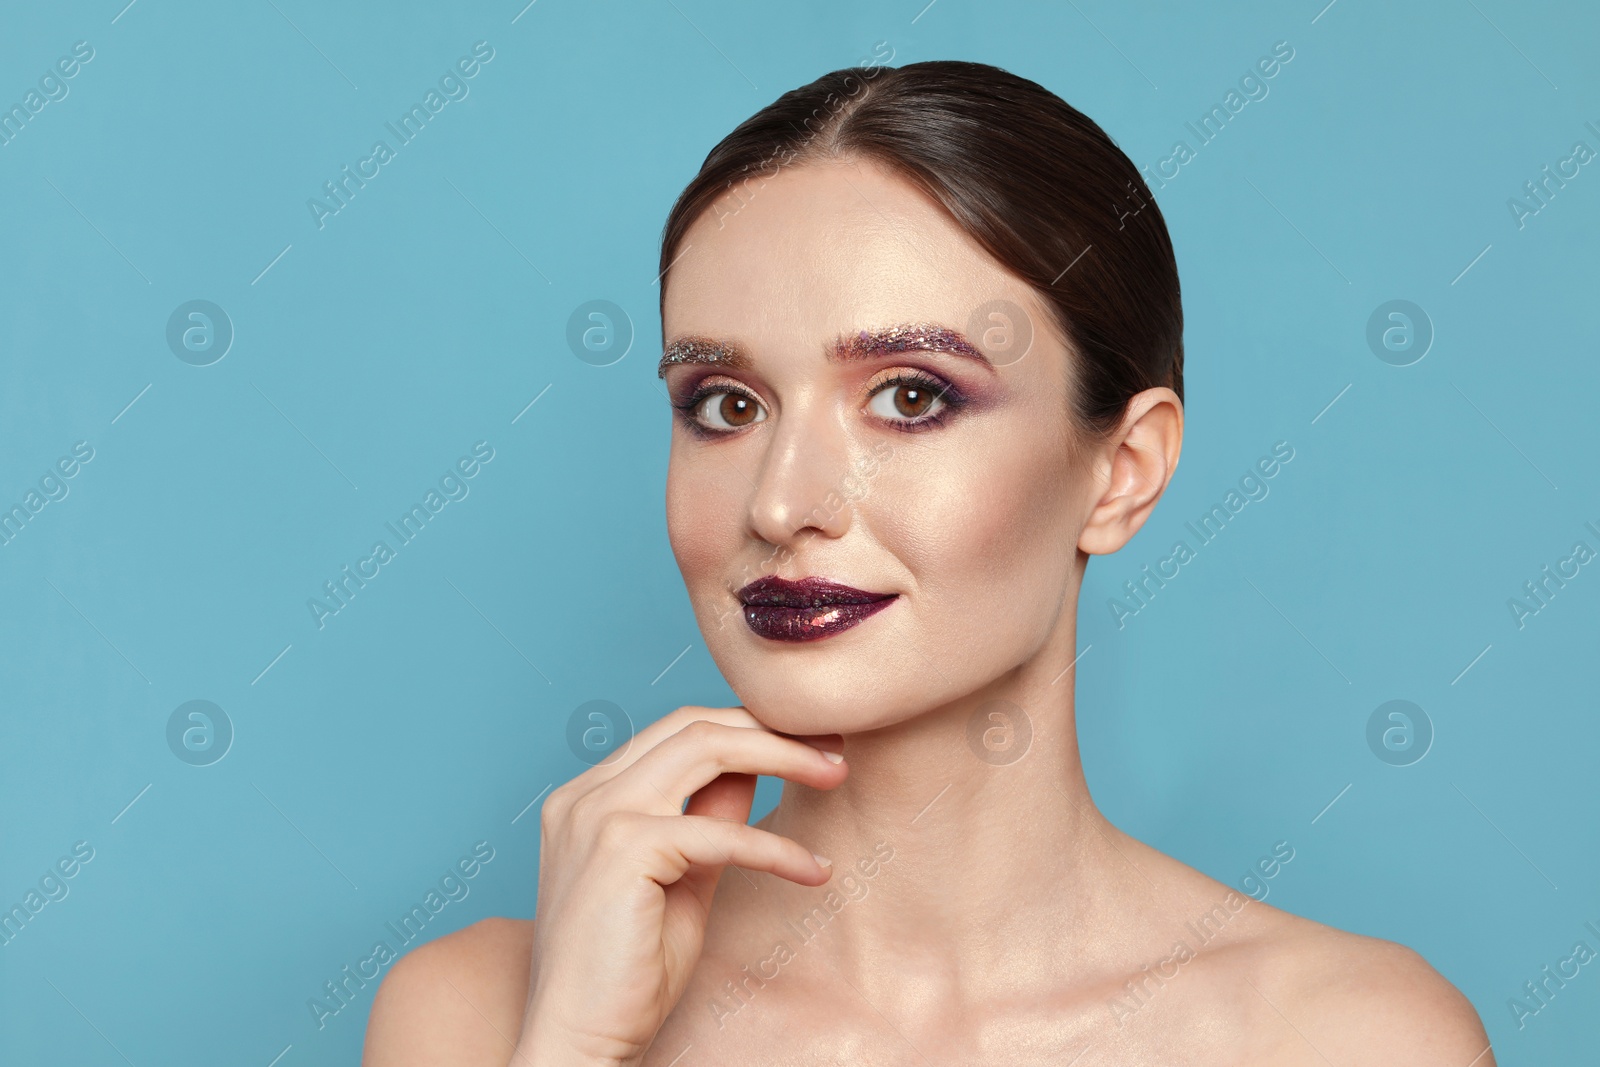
1133 470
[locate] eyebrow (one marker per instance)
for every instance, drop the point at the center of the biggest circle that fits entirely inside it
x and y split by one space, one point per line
860 344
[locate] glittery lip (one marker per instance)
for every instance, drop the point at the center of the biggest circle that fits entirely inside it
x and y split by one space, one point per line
808 609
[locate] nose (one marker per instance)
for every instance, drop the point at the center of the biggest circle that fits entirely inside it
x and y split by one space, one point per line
801 488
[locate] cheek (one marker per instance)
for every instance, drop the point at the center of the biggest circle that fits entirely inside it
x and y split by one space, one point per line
703 520
988 533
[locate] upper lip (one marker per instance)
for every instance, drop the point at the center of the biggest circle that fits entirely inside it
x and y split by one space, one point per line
772 591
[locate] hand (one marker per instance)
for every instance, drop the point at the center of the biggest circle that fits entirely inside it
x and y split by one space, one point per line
627 874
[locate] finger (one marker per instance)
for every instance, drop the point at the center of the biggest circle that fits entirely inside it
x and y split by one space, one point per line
678 842
666 726
728 796
561 802
662 779
821 742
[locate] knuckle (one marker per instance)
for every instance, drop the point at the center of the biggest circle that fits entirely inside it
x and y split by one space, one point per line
583 812
557 807
688 713
699 712
552 814
560 796
696 735
710 741
700 730
613 831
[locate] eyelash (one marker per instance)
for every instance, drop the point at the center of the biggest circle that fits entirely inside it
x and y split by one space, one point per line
951 397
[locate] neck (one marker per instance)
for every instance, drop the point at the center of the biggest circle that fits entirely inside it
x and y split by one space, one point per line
997 855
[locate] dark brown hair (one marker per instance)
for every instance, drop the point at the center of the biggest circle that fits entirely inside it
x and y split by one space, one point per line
1035 182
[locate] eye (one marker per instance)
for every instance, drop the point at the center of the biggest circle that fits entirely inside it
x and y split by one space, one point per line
723 409
909 399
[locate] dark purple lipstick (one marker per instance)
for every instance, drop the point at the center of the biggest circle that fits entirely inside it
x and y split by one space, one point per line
808 609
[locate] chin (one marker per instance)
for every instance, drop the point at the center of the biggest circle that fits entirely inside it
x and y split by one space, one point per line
822 701
863 679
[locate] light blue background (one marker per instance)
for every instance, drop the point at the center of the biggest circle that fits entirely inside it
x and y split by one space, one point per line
428 313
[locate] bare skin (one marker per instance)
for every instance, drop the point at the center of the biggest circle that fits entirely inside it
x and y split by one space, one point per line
981 911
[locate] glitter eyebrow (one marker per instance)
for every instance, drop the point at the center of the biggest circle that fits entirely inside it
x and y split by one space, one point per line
702 350
860 344
905 337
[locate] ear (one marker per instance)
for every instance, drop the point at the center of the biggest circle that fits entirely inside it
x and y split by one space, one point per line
1133 468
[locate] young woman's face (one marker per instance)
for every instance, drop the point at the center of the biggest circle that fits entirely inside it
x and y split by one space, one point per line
950 485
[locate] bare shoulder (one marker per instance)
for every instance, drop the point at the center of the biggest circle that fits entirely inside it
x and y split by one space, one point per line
456 999
1363 1000
1299 991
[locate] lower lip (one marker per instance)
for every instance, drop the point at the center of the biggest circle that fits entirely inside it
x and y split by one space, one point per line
808 624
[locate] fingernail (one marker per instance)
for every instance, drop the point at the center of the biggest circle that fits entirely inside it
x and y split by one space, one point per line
833 757
822 861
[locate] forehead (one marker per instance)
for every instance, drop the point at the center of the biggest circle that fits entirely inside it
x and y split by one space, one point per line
823 247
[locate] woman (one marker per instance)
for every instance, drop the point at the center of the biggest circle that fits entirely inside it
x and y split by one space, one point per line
924 343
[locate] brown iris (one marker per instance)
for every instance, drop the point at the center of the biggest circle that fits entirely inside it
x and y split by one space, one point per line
737 410
912 400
